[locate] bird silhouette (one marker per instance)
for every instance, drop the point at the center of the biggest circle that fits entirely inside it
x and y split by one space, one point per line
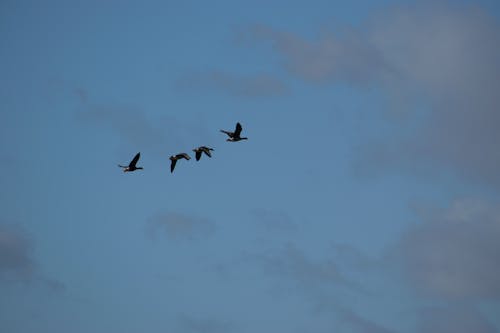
234 136
174 159
132 165
202 149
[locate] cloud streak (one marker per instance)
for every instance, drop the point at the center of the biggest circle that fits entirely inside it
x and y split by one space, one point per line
179 226
355 323
274 220
320 281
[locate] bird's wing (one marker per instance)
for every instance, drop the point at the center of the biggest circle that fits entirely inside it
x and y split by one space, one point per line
238 129
207 152
172 165
186 156
198 155
134 161
227 132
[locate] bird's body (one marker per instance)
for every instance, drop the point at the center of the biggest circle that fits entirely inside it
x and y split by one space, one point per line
234 136
202 149
174 159
132 165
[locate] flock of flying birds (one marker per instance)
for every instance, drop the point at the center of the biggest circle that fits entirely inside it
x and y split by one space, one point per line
233 137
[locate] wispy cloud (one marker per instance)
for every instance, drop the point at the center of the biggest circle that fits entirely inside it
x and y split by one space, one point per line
272 220
133 125
16 253
156 135
439 63
261 85
319 281
179 226
453 253
294 263
82 95
355 323
453 319
330 58
355 259
17 261
193 324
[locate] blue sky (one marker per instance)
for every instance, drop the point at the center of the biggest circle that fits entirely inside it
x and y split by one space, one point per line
367 198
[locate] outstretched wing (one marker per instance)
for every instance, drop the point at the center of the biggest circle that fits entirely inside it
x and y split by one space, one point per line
134 161
238 129
172 165
184 155
207 152
198 155
230 134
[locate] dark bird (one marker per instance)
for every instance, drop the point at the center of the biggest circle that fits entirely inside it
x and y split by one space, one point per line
131 166
202 149
174 159
234 136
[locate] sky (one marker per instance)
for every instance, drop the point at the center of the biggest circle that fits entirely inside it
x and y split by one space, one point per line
366 199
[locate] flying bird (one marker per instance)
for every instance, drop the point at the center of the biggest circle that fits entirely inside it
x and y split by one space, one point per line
234 136
131 166
174 159
202 149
